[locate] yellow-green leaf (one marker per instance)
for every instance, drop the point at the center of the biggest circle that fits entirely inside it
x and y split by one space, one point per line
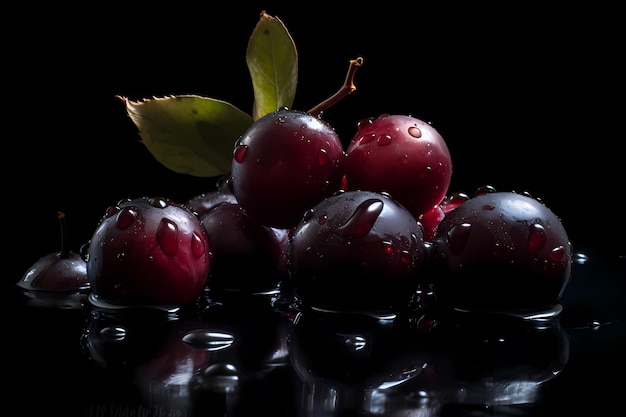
272 60
189 134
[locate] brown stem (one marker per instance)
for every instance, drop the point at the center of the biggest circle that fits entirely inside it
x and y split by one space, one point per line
347 88
65 251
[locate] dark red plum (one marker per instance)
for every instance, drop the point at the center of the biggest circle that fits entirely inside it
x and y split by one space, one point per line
148 251
285 163
246 256
356 250
502 250
403 156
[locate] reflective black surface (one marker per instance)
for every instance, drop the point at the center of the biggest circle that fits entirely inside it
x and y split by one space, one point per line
257 355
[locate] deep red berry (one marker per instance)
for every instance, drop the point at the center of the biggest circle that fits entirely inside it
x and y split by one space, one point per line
148 251
357 250
502 250
286 162
403 156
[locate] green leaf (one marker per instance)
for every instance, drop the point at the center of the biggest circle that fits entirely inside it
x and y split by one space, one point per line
189 134
272 60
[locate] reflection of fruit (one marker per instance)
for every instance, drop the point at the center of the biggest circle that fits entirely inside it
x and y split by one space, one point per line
58 271
352 348
356 250
403 156
502 250
496 358
286 162
150 251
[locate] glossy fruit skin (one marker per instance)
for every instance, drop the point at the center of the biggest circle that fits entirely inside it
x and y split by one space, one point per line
56 272
148 251
203 203
502 250
286 162
403 156
356 250
246 256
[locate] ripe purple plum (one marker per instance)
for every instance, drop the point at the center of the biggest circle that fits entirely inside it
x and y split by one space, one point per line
148 251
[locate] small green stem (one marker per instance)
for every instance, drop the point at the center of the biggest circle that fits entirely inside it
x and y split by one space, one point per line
347 88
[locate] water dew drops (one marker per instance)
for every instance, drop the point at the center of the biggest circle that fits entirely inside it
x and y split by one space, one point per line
363 219
308 215
113 332
111 211
557 254
158 202
167 236
239 153
363 123
415 132
406 258
383 140
197 245
387 247
322 157
125 218
536 237
208 339
367 138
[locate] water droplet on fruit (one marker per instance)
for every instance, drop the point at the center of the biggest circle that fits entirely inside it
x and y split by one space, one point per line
125 218
455 200
113 332
208 340
322 219
457 237
536 237
387 247
363 219
415 132
383 140
363 123
367 138
488 207
157 202
110 211
557 254
308 215
406 257
426 173
322 157
197 245
167 236
484 189
239 153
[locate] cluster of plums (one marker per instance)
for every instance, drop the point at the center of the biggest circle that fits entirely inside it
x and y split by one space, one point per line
354 229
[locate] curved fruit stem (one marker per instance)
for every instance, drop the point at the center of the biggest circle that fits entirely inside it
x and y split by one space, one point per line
65 251
347 88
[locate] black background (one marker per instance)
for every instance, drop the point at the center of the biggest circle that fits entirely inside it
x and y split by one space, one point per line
527 99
